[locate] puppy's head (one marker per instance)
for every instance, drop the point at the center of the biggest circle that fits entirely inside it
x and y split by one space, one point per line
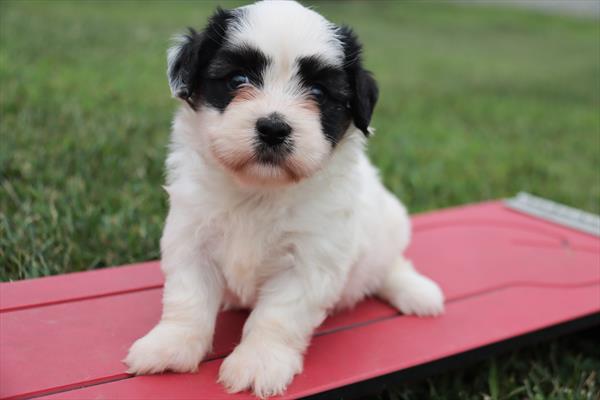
275 87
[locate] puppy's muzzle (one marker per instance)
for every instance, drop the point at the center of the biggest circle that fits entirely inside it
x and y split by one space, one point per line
274 140
272 130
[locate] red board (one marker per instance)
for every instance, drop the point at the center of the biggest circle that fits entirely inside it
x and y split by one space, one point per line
504 275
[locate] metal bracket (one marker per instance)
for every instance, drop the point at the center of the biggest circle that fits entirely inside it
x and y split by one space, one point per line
555 212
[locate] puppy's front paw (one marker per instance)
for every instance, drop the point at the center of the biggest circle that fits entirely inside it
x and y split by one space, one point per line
421 296
166 347
265 368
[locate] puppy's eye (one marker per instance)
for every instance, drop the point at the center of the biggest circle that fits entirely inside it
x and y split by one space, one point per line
237 80
317 91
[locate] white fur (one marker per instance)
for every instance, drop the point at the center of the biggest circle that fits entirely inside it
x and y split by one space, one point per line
277 28
293 250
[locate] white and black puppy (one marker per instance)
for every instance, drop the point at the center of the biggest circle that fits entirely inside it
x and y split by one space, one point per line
274 205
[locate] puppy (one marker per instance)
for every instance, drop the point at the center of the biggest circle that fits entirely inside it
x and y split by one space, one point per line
274 205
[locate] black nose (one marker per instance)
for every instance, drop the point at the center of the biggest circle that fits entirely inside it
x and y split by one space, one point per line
272 130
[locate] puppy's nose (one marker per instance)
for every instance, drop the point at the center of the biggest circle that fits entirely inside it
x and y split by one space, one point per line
272 130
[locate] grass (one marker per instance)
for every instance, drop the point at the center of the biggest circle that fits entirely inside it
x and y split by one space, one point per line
477 103
565 369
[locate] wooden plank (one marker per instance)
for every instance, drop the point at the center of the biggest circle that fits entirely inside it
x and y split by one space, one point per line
90 338
79 286
353 355
89 326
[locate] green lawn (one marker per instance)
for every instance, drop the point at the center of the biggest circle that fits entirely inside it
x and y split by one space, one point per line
476 103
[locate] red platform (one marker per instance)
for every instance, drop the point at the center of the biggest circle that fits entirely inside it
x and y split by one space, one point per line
505 276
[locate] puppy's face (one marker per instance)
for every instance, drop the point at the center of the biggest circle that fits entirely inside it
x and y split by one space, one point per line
275 87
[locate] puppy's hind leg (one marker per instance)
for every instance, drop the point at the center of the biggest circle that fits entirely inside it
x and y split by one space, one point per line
410 292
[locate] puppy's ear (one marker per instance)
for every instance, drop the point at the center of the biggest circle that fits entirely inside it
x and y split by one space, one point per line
362 84
189 57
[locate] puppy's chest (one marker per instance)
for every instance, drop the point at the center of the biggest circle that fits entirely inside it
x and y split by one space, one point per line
250 250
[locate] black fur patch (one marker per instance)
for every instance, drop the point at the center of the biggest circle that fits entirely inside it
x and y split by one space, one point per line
244 60
333 105
195 53
363 87
201 69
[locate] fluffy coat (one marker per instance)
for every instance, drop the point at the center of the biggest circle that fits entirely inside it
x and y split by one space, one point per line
292 240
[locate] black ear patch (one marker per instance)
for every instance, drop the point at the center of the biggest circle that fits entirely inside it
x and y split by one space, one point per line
364 88
188 59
